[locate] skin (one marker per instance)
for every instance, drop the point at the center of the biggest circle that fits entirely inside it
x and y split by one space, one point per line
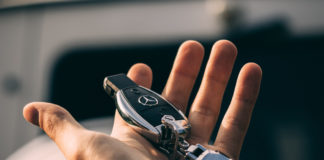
77 142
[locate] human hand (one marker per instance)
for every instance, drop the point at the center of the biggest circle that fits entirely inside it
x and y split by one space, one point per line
77 142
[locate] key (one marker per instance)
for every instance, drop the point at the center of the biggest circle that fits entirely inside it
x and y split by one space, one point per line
143 109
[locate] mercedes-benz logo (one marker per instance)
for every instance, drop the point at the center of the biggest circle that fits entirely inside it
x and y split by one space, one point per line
148 100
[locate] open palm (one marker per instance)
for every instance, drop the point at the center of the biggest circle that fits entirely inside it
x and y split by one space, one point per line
77 142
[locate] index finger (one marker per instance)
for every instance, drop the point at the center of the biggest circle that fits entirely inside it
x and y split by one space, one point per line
183 74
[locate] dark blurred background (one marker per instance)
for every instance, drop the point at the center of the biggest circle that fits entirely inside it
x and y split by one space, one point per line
60 52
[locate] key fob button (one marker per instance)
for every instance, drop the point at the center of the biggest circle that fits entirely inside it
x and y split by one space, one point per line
134 90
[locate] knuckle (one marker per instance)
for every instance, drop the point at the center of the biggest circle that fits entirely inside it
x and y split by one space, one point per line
185 73
206 108
204 111
219 79
246 100
238 125
50 120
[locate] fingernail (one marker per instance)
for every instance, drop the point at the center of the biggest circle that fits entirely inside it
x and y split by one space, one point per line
31 114
34 116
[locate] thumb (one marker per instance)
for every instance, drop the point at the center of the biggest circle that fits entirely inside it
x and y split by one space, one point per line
57 123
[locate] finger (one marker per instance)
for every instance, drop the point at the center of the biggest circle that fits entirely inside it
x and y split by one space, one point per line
183 74
205 109
141 74
237 118
57 123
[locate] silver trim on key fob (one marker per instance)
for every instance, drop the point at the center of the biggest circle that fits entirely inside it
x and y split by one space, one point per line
135 120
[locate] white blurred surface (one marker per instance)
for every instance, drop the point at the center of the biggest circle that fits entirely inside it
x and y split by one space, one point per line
13 30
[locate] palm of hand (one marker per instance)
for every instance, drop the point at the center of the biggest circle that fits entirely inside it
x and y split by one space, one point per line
124 143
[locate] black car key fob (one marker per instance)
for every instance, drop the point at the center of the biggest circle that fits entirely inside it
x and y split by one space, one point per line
156 119
142 108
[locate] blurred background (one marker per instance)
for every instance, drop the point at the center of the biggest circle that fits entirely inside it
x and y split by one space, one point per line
60 52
